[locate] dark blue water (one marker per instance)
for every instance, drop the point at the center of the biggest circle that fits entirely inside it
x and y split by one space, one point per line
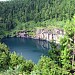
30 49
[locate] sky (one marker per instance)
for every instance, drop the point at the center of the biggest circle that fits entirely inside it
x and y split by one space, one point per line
3 0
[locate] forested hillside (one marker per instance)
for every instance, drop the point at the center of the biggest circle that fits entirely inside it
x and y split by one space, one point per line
27 14
15 11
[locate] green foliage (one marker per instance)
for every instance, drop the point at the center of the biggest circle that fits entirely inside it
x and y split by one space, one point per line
11 71
54 53
2 30
64 54
13 60
20 11
46 66
70 27
4 56
67 45
28 14
24 65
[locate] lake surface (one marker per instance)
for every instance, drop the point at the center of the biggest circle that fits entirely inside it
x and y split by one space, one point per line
30 49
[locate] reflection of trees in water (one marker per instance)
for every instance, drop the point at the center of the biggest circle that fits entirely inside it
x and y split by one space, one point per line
43 44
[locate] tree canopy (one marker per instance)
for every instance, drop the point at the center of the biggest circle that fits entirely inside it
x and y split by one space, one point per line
14 11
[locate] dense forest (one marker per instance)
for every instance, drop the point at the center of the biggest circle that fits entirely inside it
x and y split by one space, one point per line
16 12
27 14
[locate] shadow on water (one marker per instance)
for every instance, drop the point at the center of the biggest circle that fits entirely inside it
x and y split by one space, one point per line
31 49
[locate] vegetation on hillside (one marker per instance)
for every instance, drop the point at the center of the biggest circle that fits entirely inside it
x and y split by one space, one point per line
25 15
59 61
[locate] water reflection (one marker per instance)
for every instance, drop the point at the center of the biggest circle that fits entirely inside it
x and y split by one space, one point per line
45 45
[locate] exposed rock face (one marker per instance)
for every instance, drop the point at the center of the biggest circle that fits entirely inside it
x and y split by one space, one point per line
50 35
22 34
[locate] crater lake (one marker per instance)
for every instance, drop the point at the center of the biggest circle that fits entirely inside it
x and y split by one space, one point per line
30 49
